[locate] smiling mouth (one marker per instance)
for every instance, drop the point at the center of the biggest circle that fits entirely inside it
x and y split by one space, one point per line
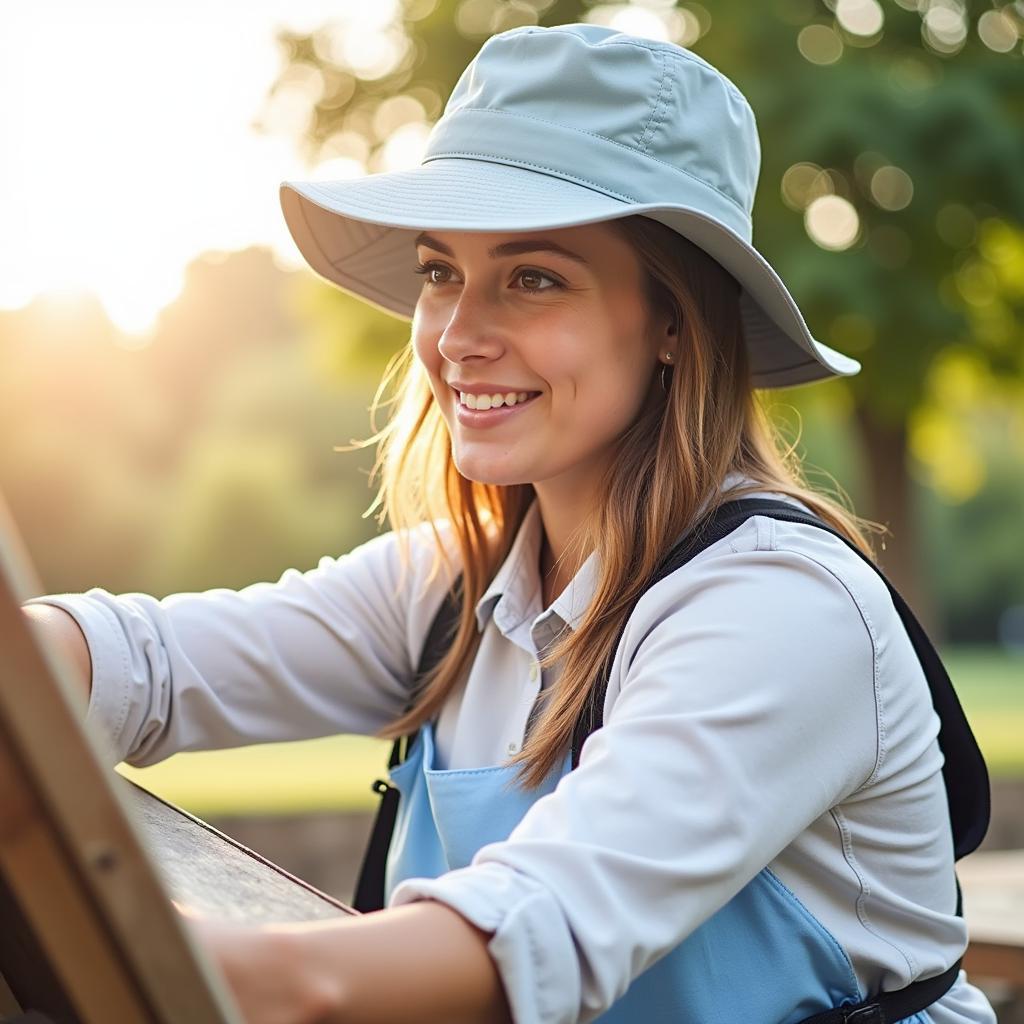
521 398
479 417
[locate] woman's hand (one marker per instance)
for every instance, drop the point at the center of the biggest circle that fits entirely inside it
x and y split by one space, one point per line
266 976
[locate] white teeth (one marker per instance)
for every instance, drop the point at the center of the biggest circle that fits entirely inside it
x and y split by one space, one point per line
492 401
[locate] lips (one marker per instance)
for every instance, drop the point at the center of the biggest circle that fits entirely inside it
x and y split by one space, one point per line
504 405
490 417
490 389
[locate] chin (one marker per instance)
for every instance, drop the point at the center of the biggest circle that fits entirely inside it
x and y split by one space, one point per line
490 475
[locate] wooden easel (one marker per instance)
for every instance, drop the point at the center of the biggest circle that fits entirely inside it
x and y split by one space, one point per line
89 860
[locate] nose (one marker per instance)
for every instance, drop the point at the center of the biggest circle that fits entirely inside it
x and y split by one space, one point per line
473 329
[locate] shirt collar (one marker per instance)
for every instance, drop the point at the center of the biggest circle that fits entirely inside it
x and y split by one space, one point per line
518 580
516 585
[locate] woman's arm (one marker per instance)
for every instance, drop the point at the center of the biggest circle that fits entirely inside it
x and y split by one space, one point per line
316 653
59 629
421 962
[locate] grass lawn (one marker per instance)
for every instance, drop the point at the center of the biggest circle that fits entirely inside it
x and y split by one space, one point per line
335 773
991 688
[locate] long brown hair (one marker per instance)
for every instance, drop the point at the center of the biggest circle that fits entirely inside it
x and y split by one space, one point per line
665 466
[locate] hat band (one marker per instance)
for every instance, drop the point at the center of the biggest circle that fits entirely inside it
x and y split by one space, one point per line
472 133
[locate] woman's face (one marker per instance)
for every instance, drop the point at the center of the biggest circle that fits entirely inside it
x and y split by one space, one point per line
560 314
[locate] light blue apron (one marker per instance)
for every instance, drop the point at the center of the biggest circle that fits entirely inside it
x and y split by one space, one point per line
762 957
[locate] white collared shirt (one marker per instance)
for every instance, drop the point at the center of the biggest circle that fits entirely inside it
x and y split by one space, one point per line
775 659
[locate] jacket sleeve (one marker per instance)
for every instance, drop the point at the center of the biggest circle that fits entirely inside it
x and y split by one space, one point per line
745 709
326 651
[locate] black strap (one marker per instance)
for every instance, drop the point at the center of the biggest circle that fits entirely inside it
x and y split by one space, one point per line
890 1007
964 771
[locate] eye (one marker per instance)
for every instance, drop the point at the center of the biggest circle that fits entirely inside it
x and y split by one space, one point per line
430 266
528 274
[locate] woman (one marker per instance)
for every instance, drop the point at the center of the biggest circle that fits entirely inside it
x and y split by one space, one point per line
760 830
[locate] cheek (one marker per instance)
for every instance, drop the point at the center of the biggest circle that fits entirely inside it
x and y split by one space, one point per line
424 346
418 334
602 368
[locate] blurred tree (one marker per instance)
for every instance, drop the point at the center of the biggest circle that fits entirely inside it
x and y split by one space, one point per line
205 458
75 440
891 137
895 144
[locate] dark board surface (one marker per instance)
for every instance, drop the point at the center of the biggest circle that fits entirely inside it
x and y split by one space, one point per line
219 876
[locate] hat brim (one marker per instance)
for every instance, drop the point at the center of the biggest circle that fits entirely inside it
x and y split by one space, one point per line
358 233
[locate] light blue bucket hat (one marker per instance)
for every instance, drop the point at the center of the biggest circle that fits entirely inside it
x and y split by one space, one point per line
556 127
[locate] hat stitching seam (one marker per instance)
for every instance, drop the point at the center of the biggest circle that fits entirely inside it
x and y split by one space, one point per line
648 133
603 138
388 229
372 289
670 50
542 167
312 235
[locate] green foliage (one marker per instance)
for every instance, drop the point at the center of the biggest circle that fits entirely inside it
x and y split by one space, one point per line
910 129
946 125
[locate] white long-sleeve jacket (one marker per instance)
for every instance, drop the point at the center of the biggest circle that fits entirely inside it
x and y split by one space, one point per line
765 708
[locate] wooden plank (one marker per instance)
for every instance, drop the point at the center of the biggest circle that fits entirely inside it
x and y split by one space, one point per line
216 874
72 858
996 960
993 888
84 960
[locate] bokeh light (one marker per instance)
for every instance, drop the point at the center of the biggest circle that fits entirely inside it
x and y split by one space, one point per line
832 222
944 27
404 148
998 31
640 21
891 188
860 17
820 44
804 182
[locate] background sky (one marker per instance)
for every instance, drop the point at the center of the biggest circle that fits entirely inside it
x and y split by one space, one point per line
127 145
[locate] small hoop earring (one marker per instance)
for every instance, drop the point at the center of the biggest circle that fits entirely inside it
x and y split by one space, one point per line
664 386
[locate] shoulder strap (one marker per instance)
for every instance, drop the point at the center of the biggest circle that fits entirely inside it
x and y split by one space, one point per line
964 771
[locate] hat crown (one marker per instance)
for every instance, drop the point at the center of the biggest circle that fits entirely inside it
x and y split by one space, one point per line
658 101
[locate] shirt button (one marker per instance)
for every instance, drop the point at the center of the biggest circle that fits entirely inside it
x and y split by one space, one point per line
533 672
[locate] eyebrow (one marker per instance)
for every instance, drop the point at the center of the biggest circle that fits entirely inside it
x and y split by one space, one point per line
507 248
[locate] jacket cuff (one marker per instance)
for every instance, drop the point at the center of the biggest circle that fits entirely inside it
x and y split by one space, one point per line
110 697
